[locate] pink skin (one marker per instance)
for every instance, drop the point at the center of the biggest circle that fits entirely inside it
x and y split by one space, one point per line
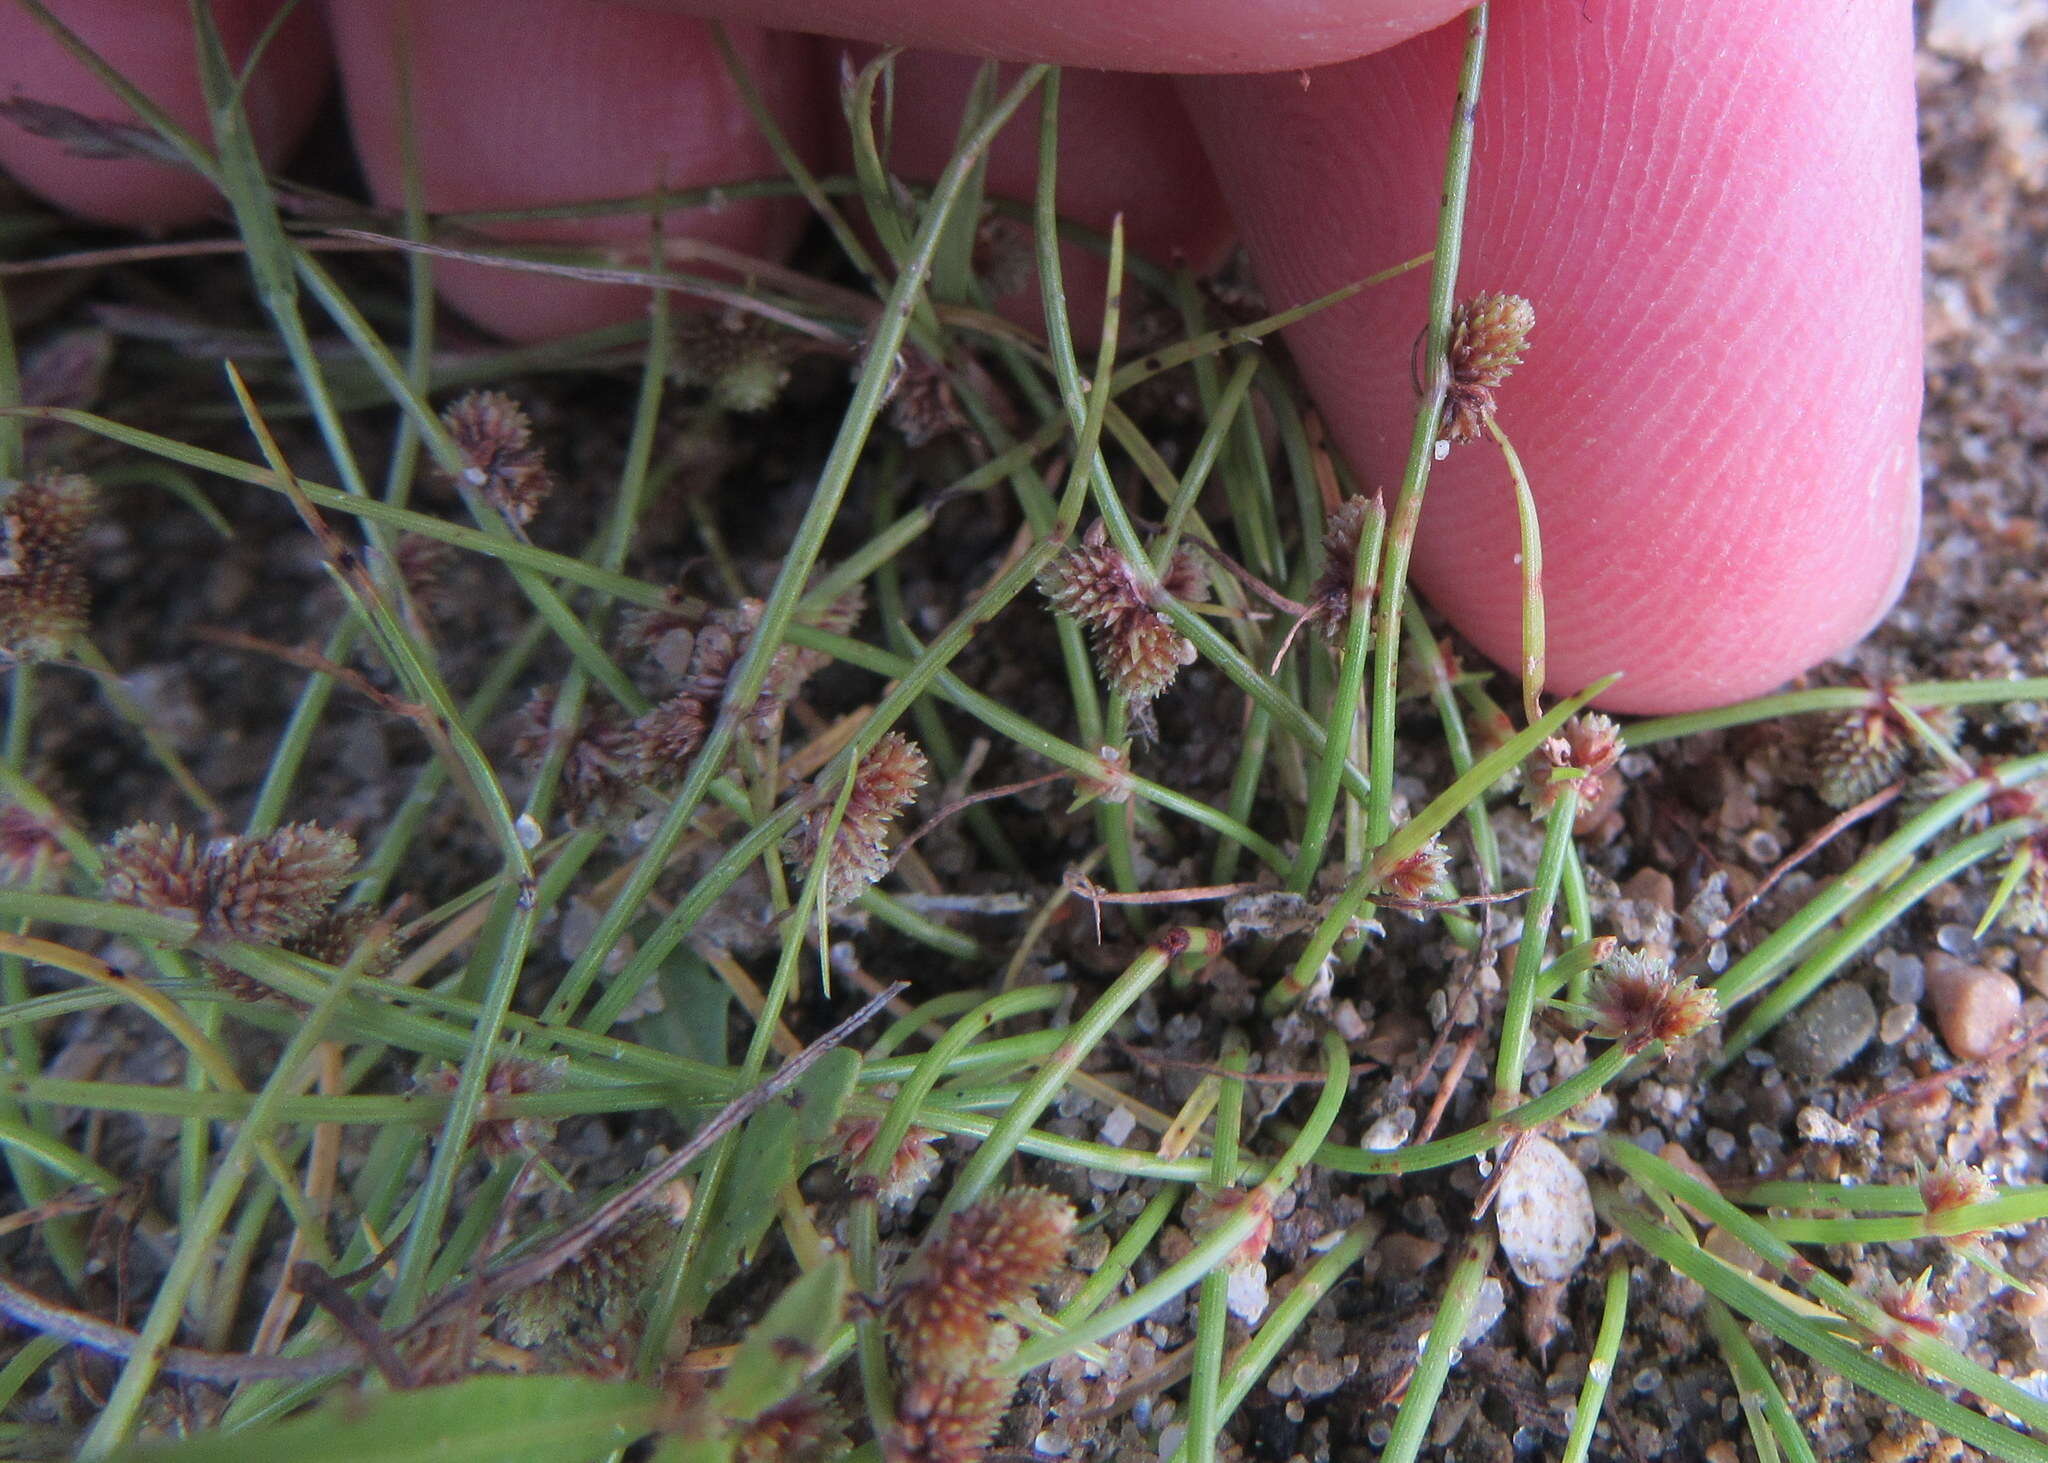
1713 205
511 132
1155 175
1717 409
150 42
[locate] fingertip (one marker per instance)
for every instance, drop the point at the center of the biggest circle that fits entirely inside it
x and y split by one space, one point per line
150 42
1715 211
576 103
1126 149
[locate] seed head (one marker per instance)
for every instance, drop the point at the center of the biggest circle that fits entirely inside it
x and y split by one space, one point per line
922 404
496 1134
1638 1001
43 592
1329 598
1858 755
1949 1186
947 1418
1590 744
887 780
262 890
335 939
988 1257
700 646
498 456
1912 1306
27 845
806 1428
603 763
586 1314
742 359
1488 334
1136 647
1416 875
911 1167
667 736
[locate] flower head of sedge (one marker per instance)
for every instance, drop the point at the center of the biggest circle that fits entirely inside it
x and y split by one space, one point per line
579 1314
1418 874
602 762
43 592
884 785
496 1134
1329 598
742 359
499 460
1136 647
911 1167
987 1258
944 1417
1637 1001
262 890
1488 334
1911 1305
1948 1186
1589 744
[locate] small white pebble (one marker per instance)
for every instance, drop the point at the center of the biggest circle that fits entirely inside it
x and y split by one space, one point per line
1244 1293
1118 1125
1545 1214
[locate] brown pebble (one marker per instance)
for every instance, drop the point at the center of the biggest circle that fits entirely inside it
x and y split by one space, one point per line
1974 1008
1408 1254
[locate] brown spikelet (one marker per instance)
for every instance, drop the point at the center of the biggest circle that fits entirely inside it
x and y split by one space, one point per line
336 938
1911 1306
1136 647
1870 748
44 596
806 1428
159 869
1950 1185
27 845
274 888
911 1167
700 647
496 1134
1488 334
1637 1000
667 736
989 1257
263 890
947 1418
742 359
499 459
1590 744
883 786
585 1316
602 764
1329 598
922 403
1416 875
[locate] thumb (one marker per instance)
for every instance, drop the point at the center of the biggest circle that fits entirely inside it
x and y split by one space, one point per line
1714 208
